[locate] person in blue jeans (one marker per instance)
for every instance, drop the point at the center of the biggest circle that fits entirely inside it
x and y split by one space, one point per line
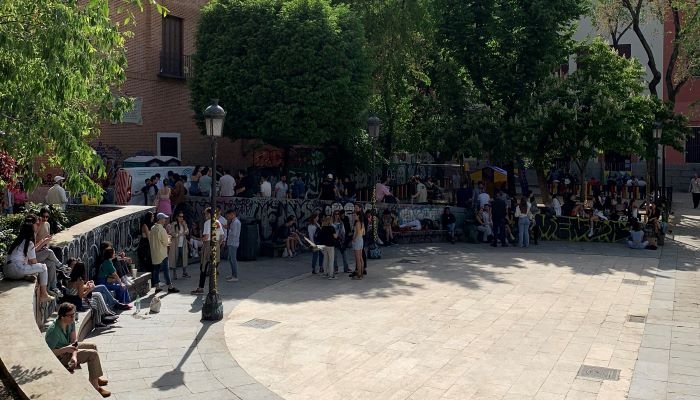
523 215
158 240
107 276
449 221
317 256
233 238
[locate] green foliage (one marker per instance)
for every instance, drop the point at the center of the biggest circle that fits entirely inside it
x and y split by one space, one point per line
507 47
287 72
598 107
59 65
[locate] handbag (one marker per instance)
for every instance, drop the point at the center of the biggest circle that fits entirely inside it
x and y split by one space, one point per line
375 252
155 305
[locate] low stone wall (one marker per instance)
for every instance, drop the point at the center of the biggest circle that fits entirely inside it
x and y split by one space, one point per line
25 359
271 213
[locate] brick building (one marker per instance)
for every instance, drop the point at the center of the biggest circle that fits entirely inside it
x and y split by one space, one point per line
159 65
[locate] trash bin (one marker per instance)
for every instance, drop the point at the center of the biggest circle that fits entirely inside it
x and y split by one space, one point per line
250 242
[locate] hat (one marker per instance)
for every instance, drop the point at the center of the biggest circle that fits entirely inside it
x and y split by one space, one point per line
58 178
160 216
330 176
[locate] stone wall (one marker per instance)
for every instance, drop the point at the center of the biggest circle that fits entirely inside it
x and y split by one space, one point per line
577 229
271 213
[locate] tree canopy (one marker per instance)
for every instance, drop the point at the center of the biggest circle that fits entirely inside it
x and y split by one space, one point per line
287 72
59 65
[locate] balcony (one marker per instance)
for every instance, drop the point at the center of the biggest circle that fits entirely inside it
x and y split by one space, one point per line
176 66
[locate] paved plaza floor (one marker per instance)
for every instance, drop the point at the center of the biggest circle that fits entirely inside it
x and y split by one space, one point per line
431 321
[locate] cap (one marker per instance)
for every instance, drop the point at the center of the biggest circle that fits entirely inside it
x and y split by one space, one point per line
330 176
58 178
161 216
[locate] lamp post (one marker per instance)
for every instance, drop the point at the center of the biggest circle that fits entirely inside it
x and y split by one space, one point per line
213 310
657 131
373 124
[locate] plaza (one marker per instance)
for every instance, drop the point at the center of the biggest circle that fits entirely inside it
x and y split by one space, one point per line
431 321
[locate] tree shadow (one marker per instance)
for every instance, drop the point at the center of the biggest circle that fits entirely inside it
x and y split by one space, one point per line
22 376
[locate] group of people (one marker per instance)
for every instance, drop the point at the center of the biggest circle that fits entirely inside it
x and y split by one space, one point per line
329 237
499 217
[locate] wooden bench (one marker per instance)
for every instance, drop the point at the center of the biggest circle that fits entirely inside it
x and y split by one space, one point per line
272 249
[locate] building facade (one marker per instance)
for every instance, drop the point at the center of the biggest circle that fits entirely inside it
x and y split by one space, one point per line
159 65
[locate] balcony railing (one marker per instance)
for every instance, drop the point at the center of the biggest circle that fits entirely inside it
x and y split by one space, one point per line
175 66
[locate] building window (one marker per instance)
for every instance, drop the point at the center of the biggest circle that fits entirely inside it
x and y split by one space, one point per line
617 162
171 57
692 146
168 144
623 50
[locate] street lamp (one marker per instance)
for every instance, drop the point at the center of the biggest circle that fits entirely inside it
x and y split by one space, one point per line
213 310
656 133
373 124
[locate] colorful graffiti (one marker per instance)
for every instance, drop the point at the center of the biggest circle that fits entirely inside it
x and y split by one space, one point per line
578 229
271 213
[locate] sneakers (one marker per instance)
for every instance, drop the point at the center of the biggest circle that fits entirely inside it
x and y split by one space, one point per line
197 291
185 275
231 279
332 278
173 290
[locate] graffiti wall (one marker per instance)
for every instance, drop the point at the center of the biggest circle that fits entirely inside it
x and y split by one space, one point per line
271 213
577 229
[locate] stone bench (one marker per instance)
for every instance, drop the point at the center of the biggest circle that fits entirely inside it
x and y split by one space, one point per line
425 235
272 249
33 370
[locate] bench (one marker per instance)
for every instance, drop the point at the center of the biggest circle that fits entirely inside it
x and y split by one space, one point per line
272 249
424 235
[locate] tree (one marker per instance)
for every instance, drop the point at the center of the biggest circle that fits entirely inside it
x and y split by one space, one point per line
287 72
685 47
59 65
507 47
599 107
611 18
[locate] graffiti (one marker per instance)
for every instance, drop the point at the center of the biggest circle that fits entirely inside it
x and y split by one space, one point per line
271 213
271 157
578 229
124 233
106 151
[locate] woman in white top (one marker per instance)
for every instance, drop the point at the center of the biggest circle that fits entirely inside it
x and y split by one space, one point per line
556 205
523 214
22 260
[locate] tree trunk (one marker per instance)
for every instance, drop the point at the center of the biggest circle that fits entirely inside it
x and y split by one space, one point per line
635 11
542 182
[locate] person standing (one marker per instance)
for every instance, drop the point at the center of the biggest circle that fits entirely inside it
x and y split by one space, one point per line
178 245
421 195
205 263
449 221
327 237
523 215
205 182
233 239
358 245
226 185
694 189
281 188
164 204
158 239
62 338
499 211
265 187
328 190
314 230
340 244
57 194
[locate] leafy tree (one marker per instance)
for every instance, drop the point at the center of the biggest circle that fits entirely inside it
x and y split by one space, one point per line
287 72
611 18
599 107
507 47
60 63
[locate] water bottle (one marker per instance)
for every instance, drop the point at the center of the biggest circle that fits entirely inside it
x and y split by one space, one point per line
137 304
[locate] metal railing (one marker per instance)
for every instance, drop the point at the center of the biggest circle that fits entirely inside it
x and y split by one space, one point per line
175 65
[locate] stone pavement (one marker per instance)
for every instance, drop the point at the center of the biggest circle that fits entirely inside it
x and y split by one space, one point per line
668 366
430 321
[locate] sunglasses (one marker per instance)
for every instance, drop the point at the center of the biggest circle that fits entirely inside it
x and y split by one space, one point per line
69 315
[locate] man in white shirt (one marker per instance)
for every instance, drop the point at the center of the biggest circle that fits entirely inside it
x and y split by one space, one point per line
265 187
57 194
226 184
205 262
158 183
484 199
281 188
694 189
